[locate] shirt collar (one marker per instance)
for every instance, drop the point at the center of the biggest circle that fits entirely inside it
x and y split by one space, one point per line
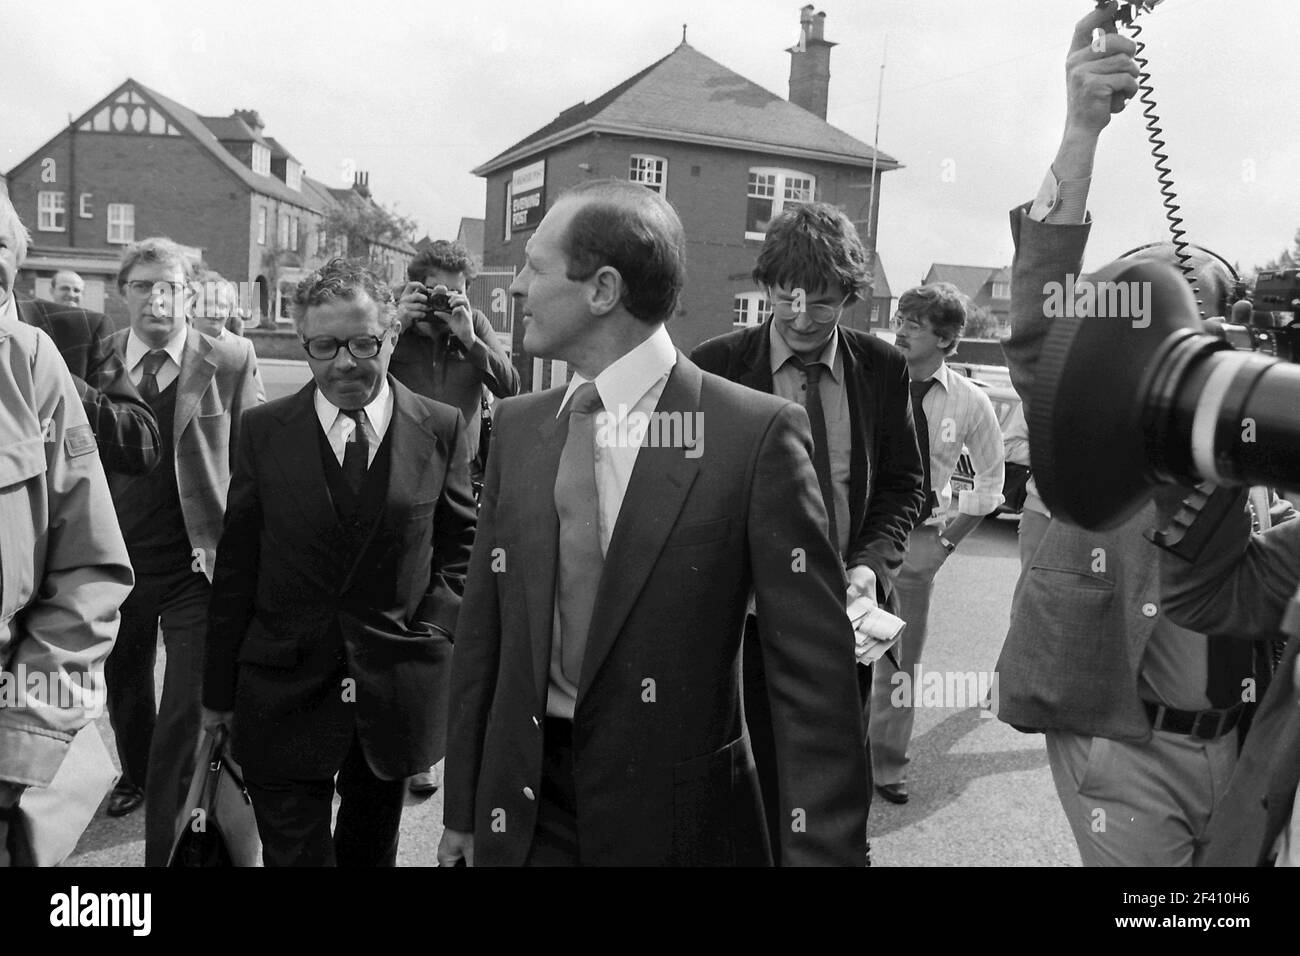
830 355
625 382
137 348
377 412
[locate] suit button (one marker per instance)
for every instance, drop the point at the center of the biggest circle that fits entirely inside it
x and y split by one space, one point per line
528 792
1149 609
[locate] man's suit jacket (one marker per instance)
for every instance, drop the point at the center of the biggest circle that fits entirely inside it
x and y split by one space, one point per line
885 477
662 764
297 606
124 424
1085 608
1242 585
217 383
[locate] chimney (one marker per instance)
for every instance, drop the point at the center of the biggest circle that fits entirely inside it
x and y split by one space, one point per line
251 118
810 63
361 184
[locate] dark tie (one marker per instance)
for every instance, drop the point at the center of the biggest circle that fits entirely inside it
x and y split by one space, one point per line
151 363
923 441
356 452
578 506
821 448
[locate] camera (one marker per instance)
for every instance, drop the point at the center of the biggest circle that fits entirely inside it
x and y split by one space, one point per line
1261 322
439 300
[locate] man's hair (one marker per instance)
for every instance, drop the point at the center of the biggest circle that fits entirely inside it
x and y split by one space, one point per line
942 305
157 249
635 231
66 272
10 222
444 256
1215 280
346 280
815 247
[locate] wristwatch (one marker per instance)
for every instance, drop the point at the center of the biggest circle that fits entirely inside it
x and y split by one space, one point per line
947 545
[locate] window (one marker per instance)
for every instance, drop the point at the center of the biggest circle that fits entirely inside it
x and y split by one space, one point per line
293 233
121 223
261 159
508 198
293 175
1002 290
750 308
84 208
283 233
649 171
770 191
50 212
261 225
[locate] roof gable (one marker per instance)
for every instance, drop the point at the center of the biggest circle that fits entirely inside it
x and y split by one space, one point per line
968 279
688 96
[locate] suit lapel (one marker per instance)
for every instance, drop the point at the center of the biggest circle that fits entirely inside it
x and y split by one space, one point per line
655 494
197 369
756 360
861 413
539 457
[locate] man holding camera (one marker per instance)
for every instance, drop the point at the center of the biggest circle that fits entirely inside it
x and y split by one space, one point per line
1139 714
449 352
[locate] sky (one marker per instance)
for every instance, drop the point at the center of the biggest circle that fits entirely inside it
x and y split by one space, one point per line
419 93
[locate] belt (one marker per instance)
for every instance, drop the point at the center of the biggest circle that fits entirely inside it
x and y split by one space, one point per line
1201 724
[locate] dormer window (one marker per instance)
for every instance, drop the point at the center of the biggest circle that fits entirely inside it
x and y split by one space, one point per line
261 159
293 175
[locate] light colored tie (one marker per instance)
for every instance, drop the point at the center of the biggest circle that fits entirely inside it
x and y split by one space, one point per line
578 505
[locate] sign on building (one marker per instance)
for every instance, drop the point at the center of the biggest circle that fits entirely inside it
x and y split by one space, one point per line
527 196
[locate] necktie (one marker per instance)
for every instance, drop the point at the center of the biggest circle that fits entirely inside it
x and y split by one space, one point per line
356 453
578 506
918 390
151 363
821 449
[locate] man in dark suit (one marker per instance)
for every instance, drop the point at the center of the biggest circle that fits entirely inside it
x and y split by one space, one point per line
338 582
855 389
198 388
595 689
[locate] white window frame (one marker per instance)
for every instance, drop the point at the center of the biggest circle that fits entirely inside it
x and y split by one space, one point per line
293 233
261 160
293 175
51 211
650 171
1001 290
780 186
121 223
261 225
282 230
509 196
749 309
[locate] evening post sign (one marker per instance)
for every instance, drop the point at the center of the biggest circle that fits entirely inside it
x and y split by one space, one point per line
527 205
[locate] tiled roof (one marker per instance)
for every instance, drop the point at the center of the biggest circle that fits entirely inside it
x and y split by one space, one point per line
968 279
278 151
688 97
879 281
471 234
232 129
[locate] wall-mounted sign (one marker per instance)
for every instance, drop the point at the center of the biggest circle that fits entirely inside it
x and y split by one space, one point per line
527 196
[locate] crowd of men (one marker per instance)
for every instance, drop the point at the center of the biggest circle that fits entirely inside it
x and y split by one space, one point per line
630 652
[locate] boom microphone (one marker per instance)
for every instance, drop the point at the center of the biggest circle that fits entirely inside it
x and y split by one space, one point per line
1129 394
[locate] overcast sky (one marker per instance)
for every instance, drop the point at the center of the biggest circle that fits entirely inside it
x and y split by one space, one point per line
418 93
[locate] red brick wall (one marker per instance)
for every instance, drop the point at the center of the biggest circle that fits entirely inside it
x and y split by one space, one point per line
712 206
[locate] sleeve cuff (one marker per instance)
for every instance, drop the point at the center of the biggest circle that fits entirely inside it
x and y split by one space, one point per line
977 503
1061 201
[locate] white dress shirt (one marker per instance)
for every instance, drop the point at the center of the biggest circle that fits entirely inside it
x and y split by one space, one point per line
338 427
959 413
137 349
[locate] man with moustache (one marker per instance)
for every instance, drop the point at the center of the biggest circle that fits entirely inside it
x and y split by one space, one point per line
338 581
198 388
596 712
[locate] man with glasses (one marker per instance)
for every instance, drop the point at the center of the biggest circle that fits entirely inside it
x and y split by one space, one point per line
198 388
854 389
951 413
338 584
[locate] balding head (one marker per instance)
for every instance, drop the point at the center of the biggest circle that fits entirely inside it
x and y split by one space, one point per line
66 287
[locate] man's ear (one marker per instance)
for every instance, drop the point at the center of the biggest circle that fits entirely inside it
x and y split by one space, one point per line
604 290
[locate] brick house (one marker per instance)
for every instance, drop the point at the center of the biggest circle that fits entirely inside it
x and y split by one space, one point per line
139 164
725 152
988 287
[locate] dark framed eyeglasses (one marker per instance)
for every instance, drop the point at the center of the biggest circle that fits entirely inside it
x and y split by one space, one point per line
324 348
820 312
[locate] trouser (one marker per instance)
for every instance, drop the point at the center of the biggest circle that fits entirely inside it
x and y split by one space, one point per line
762 742
293 816
1143 804
157 743
893 715
555 840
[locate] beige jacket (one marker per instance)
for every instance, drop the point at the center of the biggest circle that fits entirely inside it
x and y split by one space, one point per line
63 565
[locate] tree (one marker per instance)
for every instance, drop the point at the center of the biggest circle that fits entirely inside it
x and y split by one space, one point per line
357 222
1288 259
981 324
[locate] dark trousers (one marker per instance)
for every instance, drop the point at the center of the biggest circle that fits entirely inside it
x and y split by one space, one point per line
555 841
157 742
293 817
758 719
